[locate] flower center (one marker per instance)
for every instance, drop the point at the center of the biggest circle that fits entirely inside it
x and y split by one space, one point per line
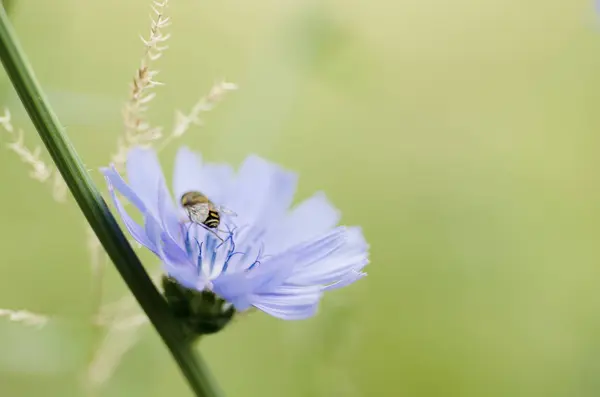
213 257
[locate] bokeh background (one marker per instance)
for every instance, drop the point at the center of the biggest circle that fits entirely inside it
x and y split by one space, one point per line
463 136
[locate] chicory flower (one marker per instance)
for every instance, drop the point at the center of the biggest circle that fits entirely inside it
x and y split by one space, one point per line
272 256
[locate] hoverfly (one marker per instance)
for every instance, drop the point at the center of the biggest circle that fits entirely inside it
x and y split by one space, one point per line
203 212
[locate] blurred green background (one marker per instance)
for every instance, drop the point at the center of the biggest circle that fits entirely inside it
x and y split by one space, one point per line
463 137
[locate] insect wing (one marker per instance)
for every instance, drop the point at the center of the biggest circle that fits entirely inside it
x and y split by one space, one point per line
223 210
198 213
226 211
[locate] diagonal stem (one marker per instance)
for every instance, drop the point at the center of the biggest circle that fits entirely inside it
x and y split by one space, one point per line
97 214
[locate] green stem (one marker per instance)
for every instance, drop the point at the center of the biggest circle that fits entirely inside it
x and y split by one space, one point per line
97 214
8 5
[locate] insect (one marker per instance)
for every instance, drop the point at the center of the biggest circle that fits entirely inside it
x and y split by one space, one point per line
204 212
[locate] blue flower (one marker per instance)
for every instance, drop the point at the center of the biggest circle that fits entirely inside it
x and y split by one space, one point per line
270 256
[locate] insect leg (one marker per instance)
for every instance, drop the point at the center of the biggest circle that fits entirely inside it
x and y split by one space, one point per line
211 230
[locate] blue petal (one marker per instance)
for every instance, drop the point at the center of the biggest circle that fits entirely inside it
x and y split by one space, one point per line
174 251
179 266
176 265
216 181
290 303
168 218
113 177
169 251
276 270
152 228
291 295
238 287
185 175
190 174
235 289
329 263
294 259
145 176
233 285
311 218
289 313
136 231
262 192
348 279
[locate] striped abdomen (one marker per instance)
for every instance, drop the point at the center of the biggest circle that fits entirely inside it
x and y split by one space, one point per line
213 219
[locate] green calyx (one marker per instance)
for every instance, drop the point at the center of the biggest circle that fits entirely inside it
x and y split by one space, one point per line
200 312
